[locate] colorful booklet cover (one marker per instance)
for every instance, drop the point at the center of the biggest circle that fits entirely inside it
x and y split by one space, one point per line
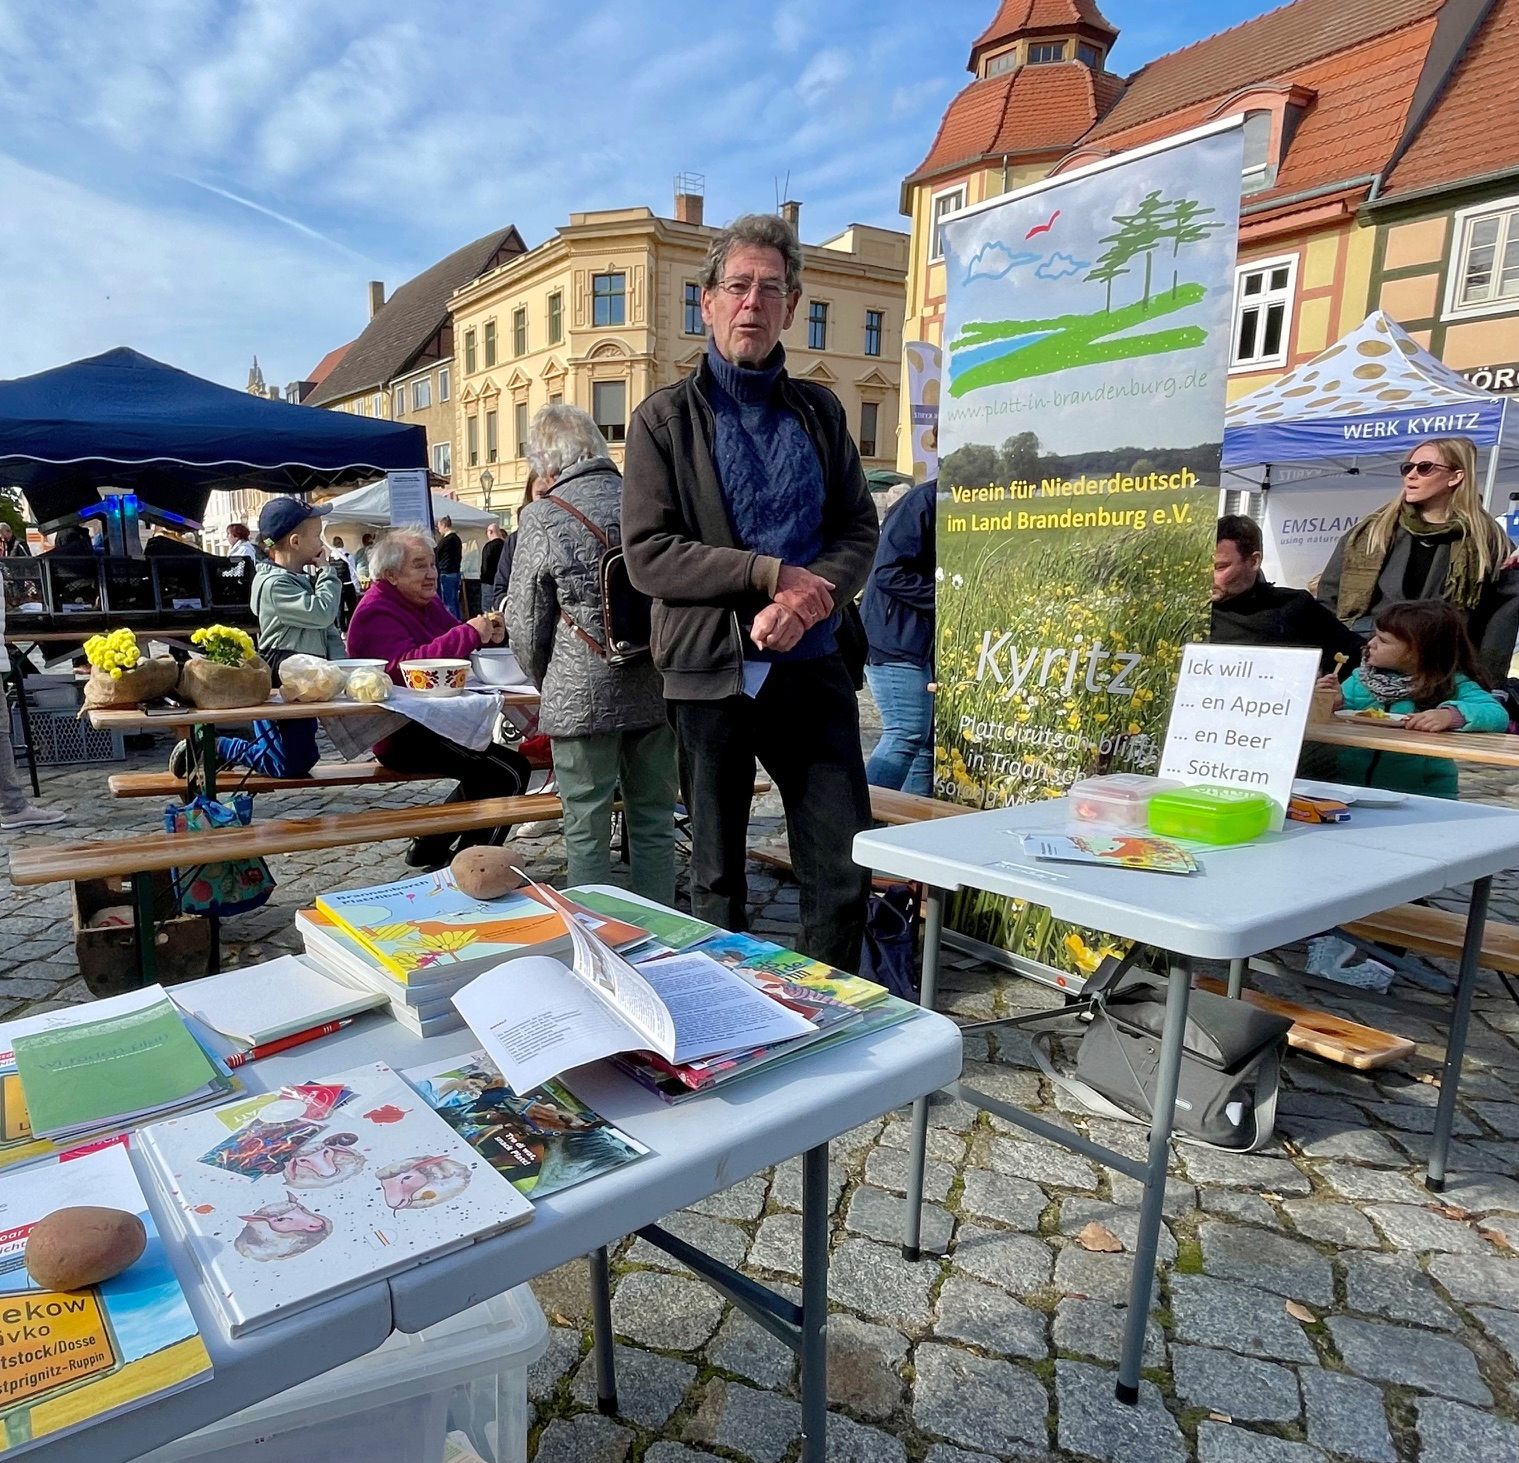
112 1070
754 957
543 1141
71 1358
674 930
427 926
1114 851
289 1197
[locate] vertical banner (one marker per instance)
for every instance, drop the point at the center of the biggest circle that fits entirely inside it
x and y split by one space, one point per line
1086 346
924 368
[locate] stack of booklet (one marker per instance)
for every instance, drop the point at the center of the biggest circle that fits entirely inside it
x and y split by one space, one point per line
421 939
285 1199
71 1358
678 1020
94 1070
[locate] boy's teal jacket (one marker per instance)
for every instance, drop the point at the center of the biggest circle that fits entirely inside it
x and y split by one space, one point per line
1434 777
295 614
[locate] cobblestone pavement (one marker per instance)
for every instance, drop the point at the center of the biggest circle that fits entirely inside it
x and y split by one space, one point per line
1401 1340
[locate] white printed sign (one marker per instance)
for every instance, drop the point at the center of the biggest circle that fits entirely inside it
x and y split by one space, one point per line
1302 528
1238 719
410 501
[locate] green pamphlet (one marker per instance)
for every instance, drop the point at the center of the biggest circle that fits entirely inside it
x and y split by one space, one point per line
76 1078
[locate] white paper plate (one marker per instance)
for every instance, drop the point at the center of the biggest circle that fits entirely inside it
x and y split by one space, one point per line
1379 797
1391 718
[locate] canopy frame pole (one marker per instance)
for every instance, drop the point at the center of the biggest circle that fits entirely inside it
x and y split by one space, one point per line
1490 486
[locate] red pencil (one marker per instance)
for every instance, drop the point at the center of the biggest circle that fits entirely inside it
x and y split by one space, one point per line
284 1043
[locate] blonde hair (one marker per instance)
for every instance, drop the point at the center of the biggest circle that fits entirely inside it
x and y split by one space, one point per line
1376 532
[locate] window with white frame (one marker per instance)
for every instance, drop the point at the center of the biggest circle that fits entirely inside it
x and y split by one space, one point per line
1000 63
1258 170
1263 312
609 407
398 402
519 426
1484 275
1041 53
492 444
377 404
421 393
443 458
445 383
940 206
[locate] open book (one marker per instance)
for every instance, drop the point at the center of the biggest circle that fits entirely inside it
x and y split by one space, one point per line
536 1016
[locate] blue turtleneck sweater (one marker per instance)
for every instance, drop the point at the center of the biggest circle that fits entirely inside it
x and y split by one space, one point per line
771 477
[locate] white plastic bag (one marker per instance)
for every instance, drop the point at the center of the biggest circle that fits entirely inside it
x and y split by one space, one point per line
368 684
310 678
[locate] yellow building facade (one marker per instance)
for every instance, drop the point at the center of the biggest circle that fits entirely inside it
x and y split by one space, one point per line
609 310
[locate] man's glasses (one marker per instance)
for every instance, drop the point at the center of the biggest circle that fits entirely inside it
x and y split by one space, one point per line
1423 468
770 290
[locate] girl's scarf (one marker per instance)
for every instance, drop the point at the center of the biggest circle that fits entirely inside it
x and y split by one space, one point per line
1387 686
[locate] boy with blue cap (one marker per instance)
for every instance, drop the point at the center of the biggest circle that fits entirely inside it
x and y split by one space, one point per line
296 615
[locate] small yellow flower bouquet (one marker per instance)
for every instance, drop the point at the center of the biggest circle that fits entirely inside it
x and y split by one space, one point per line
224 644
120 675
230 674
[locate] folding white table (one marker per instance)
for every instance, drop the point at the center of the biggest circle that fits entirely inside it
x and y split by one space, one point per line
1244 900
697 1149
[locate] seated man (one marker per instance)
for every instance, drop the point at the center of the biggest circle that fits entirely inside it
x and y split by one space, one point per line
1249 610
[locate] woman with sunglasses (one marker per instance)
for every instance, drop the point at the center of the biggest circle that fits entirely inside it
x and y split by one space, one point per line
1433 541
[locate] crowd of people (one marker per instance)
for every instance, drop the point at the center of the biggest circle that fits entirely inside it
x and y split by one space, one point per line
743 519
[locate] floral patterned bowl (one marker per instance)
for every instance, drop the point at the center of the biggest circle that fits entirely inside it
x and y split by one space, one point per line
435 677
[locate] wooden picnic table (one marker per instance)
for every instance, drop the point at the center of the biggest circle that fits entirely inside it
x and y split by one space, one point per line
1492 749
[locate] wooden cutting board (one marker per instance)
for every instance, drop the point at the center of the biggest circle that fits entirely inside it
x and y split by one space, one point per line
1324 1035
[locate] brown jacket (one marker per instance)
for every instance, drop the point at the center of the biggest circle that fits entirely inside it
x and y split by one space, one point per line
679 542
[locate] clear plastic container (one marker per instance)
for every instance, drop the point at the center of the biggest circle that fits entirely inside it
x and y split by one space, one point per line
1119 799
1211 814
465 1378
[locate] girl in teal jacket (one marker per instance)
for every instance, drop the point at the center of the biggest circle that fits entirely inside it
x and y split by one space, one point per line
1419 663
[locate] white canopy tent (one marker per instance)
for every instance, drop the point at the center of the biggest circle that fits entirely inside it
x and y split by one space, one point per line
1320 447
369 508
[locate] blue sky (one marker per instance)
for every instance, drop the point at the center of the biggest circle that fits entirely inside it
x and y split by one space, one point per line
209 179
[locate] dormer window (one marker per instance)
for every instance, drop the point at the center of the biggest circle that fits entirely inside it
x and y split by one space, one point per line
1042 53
1005 62
1088 55
1259 170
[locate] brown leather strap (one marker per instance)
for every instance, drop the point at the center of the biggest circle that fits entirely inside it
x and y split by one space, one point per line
604 539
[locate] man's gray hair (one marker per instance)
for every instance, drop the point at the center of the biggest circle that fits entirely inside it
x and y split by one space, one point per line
560 436
763 230
387 556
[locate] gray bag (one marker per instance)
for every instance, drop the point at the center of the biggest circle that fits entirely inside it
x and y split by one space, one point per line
1231 1062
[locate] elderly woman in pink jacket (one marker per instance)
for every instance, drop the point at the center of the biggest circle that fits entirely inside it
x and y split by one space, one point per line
401 617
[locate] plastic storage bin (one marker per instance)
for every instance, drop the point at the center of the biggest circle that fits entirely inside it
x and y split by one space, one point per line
1120 799
466 1376
1211 814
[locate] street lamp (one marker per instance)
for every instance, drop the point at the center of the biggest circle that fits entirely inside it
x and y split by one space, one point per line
487 482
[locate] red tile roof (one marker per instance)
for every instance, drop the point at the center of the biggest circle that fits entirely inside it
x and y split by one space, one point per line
323 367
1468 134
1031 109
1349 130
1015 16
1279 44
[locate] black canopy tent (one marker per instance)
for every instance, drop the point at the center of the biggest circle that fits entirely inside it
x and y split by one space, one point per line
126 422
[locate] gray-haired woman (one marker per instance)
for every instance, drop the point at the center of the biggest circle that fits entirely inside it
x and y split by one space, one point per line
607 723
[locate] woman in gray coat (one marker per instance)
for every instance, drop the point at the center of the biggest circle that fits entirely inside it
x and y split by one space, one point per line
607 723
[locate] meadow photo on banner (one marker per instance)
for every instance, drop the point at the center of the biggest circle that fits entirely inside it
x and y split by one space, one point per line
1086 348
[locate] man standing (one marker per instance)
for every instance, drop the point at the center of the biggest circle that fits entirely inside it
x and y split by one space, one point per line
490 559
747 519
361 561
449 556
1249 610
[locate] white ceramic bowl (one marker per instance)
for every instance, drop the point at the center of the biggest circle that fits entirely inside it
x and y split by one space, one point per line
360 665
434 677
498 666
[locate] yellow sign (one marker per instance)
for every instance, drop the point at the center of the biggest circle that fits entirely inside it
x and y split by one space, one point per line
51 1339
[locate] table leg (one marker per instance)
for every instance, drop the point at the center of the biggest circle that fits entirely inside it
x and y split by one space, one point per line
1142 1281
601 1332
147 932
24 714
206 756
814 1337
1236 978
917 1153
1455 1040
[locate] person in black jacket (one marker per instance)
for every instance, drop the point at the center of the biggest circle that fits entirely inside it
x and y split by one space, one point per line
898 611
747 521
449 557
1249 610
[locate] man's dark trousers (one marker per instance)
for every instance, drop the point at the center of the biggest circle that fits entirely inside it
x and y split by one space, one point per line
804 727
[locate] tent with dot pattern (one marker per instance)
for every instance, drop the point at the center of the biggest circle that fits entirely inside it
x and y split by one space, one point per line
1356 409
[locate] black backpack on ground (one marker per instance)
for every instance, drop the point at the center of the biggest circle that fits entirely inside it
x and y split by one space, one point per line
624 610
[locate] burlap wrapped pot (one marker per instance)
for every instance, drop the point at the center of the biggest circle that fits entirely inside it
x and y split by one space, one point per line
214 687
146 680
